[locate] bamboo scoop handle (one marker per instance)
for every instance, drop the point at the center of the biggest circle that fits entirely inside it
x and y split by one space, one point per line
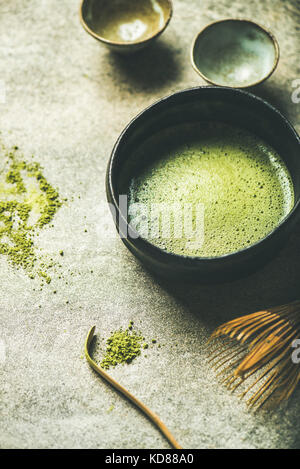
151 415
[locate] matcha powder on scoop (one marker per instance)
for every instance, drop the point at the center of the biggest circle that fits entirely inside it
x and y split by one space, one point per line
122 347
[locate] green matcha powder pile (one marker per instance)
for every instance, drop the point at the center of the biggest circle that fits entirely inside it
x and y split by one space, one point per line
122 347
28 203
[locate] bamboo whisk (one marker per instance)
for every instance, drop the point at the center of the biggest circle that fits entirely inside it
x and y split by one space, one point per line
261 345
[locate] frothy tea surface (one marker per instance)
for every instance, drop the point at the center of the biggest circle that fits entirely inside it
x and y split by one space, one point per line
241 182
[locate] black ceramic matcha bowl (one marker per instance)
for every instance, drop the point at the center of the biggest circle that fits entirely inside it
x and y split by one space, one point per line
232 106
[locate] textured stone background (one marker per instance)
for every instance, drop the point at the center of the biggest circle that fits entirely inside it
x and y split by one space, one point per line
67 99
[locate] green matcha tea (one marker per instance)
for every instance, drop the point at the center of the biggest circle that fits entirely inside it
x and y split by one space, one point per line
241 182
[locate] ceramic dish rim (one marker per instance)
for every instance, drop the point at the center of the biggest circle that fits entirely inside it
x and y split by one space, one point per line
245 20
123 43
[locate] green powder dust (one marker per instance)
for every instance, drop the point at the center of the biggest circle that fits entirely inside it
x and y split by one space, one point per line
122 347
28 203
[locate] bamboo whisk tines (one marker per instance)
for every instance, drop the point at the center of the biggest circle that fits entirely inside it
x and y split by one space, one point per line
260 346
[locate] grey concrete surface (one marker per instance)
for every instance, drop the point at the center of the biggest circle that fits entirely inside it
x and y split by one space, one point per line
67 99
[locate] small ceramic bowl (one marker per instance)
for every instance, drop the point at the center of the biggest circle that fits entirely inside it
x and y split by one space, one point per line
125 26
235 52
208 103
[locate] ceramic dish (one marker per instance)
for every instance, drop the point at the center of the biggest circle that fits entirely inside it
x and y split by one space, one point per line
231 106
125 26
234 52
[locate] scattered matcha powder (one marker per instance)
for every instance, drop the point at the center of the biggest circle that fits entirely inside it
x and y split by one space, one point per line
45 276
28 203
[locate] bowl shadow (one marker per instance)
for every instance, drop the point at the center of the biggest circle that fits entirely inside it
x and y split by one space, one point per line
149 69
